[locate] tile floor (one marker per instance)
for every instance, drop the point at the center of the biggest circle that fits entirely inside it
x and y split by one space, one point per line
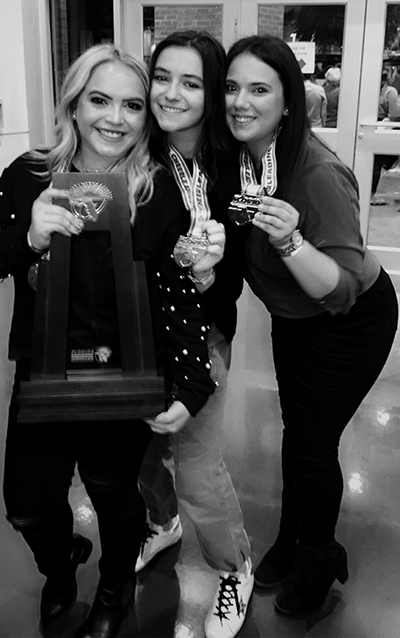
174 594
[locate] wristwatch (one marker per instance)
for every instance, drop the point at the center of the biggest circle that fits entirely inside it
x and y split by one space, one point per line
293 246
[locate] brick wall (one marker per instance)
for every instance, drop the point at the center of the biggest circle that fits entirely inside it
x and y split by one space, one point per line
177 17
270 19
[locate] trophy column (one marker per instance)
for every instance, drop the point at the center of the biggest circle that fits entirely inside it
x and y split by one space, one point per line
75 375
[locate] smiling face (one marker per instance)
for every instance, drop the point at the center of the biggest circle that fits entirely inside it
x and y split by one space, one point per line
177 94
254 102
110 115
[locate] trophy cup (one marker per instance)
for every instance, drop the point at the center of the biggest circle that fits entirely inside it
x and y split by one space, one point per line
93 355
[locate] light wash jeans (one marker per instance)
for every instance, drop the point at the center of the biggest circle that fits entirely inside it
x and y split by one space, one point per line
203 486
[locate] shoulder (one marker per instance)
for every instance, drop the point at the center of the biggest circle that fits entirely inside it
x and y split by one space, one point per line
26 166
165 205
321 169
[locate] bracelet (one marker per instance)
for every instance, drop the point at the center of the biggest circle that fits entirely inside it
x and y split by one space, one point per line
293 246
202 280
39 251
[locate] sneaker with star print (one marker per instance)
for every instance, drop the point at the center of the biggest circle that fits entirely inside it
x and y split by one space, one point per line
229 607
156 539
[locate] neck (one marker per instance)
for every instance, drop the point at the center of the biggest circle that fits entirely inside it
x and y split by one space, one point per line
88 165
184 142
258 148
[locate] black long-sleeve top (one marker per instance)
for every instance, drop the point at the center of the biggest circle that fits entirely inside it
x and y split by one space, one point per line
180 323
219 299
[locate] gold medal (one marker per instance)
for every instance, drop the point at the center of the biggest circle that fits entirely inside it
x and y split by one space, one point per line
189 249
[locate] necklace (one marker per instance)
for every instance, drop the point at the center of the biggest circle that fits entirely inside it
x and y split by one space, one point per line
83 169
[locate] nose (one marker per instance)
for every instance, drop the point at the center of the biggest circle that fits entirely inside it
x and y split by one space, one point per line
172 92
241 99
115 114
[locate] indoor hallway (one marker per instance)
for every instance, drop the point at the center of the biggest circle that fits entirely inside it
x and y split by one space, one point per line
174 592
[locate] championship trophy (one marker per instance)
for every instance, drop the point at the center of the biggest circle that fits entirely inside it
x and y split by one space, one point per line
93 355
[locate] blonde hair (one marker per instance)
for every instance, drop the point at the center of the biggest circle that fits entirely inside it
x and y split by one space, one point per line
137 163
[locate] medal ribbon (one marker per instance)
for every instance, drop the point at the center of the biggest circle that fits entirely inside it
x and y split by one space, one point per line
248 178
193 190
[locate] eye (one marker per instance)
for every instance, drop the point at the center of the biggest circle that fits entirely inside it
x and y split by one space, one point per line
135 106
96 99
193 85
230 88
260 89
160 78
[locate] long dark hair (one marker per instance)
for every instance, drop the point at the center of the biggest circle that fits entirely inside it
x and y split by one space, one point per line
294 127
212 149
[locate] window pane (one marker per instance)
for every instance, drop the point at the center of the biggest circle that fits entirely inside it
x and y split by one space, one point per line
75 26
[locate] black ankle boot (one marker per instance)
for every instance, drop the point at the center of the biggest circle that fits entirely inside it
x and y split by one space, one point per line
112 603
60 590
316 570
276 565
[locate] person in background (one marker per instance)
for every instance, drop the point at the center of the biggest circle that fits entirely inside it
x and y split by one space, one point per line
333 309
332 90
395 78
388 110
315 100
190 142
102 126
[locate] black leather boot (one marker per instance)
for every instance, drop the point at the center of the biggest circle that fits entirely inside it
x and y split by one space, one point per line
316 570
60 591
112 603
276 565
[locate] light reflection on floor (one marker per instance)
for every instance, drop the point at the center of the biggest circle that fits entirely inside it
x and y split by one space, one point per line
174 594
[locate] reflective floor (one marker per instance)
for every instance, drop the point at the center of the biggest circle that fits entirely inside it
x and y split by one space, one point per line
173 594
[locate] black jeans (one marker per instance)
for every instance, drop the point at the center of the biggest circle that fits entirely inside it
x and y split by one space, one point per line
325 366
40 462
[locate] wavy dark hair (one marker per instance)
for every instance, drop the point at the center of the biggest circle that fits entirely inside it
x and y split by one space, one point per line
212 149
294 128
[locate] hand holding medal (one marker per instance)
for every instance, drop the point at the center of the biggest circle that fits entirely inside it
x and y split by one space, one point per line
243 207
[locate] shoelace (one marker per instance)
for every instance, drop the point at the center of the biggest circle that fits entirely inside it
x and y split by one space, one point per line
227 597
148 533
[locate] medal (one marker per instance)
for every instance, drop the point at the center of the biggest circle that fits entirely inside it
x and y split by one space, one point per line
243 207
190 248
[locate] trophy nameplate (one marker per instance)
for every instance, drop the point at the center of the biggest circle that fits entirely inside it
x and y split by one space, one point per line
93 355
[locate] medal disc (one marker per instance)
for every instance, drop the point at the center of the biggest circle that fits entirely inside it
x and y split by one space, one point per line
190 249
242 209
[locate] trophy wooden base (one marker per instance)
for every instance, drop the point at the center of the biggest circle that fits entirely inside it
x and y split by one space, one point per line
91 398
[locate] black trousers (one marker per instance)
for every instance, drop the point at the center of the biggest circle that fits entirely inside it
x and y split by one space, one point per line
325 366
40 461
380 162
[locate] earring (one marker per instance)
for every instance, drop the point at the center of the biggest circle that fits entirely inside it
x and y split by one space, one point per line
286 111
74 116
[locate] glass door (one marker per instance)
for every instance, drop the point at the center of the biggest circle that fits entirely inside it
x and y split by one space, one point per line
358 39
141 24
333 32
376 161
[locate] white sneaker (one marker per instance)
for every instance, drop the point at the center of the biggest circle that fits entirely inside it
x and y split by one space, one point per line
230 603
156 539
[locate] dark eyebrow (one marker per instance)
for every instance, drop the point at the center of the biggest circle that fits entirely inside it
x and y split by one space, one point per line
108 97
185 75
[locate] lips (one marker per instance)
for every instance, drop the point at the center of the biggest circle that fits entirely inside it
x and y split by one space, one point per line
111 135
243 119
171 110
